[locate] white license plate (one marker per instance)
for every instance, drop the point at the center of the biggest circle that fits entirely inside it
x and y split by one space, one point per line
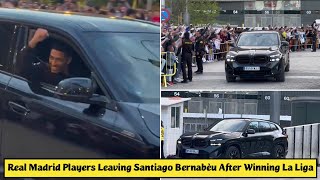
251 68
192 151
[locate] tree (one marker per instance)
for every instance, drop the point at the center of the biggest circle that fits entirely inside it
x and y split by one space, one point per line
203 11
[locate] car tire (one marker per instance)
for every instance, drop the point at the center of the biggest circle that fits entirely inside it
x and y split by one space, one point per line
233 152
278 152
281 76
230 78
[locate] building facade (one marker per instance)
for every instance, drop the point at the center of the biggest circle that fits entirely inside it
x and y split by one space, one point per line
259 13
239 103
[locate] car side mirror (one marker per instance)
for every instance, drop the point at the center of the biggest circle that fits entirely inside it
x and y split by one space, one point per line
251 131
79 90
285 43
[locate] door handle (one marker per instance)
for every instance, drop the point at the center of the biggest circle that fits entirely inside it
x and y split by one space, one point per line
19 109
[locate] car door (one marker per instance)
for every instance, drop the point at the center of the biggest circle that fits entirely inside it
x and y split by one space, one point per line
266 137
8 32
251 141
44 126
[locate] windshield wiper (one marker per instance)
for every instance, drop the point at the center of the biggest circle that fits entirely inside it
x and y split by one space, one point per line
152 61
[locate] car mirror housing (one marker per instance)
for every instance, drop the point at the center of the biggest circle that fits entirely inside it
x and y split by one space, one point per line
251 131
76 89
284 43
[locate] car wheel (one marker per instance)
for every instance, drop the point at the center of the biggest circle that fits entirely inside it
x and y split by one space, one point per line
230 78
278 152
233 153
281 76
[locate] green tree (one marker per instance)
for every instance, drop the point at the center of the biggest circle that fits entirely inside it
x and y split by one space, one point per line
203 11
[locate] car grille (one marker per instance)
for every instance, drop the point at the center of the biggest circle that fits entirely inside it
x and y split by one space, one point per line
194 143
186 142
260 59
243 59
200 143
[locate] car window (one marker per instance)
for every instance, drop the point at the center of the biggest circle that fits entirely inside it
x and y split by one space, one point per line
134 59
6 35
229 126
258 39
51 61
264 127
273 127
254 125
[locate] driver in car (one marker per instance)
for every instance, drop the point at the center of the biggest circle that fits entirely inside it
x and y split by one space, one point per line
54 71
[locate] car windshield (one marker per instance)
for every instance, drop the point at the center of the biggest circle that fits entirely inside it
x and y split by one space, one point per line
229 126
130 63
258 39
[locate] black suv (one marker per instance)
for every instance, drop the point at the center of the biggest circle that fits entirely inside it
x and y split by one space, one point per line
258 54
109 108
235 138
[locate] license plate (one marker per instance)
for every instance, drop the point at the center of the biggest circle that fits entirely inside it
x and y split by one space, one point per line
192 151
251 68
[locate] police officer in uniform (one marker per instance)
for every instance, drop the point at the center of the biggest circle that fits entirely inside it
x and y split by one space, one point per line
199 48
187 48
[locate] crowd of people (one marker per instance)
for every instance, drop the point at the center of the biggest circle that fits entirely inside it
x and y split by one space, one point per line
111 9
184 44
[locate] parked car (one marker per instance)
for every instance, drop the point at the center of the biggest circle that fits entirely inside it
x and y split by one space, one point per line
235 138
258 54
109 108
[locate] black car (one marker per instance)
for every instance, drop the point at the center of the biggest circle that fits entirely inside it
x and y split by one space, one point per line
109 108
235 138
258 54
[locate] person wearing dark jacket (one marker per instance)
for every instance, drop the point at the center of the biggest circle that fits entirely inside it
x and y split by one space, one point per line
314 40
200 50
187 48
38 71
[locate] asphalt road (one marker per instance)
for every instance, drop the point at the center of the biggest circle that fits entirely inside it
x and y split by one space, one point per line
304 74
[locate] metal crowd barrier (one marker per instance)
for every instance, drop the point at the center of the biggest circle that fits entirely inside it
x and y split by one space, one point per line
224 49
168 67
303 141
297 43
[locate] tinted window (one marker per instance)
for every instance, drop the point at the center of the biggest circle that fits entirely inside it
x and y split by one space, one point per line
130 63
264 127
258 39
6 35
273 127
229 126
254 125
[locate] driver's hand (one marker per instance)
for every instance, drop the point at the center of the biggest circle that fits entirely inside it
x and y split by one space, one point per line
39 36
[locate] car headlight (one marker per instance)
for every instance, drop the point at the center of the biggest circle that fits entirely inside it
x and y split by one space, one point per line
275 57
179 141
230 58
215 142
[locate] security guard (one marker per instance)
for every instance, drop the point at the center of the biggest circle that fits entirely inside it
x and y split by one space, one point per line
187 48
162 140
200 48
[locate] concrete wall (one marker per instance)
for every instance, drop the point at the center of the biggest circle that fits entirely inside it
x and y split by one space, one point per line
303 141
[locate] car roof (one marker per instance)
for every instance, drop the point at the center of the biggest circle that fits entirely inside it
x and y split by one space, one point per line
249 119
69 20
259 32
